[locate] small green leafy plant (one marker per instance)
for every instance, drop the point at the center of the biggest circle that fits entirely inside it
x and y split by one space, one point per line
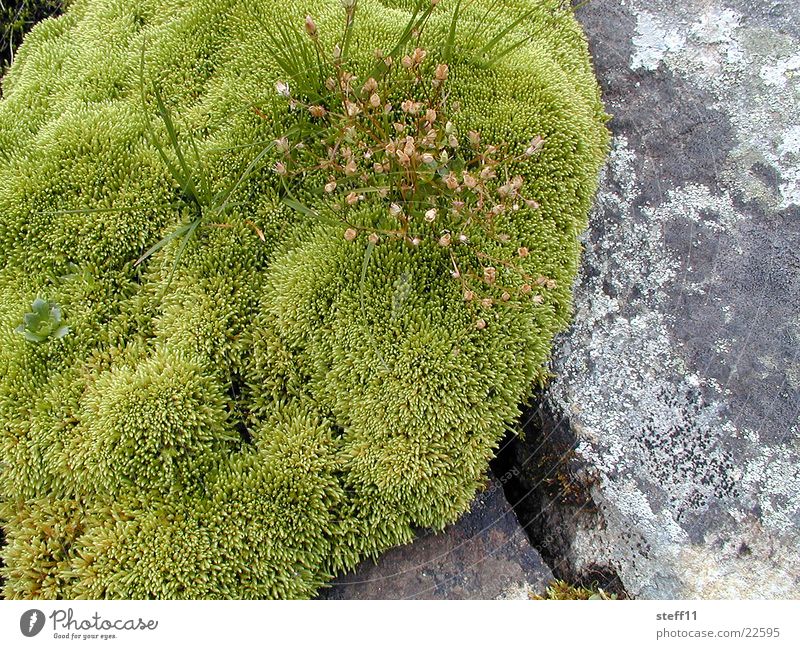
43 322
188 171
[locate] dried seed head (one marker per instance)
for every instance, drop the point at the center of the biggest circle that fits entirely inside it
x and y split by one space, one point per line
416 241
441 72
330 84
352 198
430 116
374 238
395 210
537 299
317 111
311 27
351 108
469 296
330 187
463 238
488 173
451 181
526 288
551 284
403 159
532 204
282 88
427 158
474 138
523 252
350 168
419 55
370 86
506 296
480 324
490 274
470 181
399 127
409 106
375 100
280 168
407 61
445 240
282 145
430 215
350 234
534 146
487 303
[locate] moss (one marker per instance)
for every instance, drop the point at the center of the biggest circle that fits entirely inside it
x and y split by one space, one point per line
559 589
274 411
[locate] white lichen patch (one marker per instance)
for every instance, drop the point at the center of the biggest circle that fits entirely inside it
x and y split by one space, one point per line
653 41
780 73
754 75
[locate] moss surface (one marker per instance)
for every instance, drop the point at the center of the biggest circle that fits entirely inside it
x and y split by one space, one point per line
267 416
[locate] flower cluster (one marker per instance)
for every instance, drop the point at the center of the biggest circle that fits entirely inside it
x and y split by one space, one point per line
387 147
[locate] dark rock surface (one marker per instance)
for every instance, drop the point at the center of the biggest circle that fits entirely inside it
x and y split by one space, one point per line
485 555
667 450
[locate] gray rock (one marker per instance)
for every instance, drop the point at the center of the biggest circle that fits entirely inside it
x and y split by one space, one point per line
485 555
676 405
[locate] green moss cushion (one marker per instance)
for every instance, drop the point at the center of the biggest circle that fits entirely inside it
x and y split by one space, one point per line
276 410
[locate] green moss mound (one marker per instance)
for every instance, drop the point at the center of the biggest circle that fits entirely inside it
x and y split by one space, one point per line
274 410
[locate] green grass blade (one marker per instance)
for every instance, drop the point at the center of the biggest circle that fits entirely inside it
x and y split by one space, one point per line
299 207
245 175
205 185
503 32
191 228
110 210
173 170
185 177
508 50
158 246
451 33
